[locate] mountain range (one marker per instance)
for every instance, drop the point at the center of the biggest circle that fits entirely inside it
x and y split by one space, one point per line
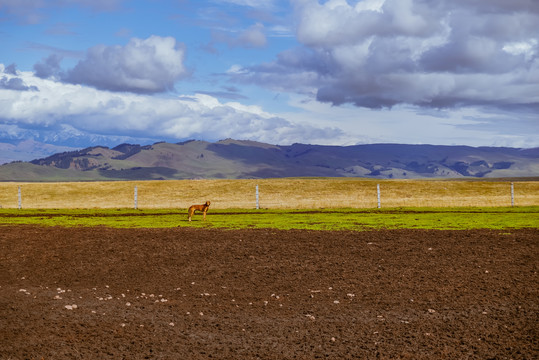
238 159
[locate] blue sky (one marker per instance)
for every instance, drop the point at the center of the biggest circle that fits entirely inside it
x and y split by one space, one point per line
77 73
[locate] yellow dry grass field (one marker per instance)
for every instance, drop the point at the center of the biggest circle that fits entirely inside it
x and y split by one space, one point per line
292 193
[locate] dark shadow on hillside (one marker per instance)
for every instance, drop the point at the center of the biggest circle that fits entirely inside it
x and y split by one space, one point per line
140 173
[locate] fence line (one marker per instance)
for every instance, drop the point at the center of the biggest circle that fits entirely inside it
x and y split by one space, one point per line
270 193
257 198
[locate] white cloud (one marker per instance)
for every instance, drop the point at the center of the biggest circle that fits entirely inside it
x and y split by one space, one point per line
414 125
236 69
373 5
143 66
439 54
337 23
88 110
527 48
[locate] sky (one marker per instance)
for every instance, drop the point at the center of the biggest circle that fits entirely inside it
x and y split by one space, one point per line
78 73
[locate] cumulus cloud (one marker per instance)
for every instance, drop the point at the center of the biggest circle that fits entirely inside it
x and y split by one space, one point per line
11 80
430 53
146 66
149 65
85 110
15 83
49 67
11 69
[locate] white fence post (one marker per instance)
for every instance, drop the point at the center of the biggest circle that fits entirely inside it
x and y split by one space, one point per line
136 197
512 195
378 193
20 199
257 198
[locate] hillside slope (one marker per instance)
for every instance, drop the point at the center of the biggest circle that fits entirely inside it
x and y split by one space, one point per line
233 159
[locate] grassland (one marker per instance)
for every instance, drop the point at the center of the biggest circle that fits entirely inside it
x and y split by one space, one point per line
317 204
328 219
299 193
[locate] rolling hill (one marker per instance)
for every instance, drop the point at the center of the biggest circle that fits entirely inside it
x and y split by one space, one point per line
234 159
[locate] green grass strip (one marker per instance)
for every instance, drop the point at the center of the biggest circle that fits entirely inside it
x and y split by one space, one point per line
309 219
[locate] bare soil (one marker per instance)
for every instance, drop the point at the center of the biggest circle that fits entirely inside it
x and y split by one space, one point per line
185 293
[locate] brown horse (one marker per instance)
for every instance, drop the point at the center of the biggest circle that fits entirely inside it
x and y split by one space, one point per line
203 208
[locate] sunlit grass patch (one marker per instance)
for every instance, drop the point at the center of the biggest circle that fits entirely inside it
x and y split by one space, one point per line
310 219
289 194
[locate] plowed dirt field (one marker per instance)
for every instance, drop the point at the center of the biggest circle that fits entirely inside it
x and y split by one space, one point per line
185 293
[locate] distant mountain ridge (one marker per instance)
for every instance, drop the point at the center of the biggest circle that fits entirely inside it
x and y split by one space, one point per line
236 159
27 150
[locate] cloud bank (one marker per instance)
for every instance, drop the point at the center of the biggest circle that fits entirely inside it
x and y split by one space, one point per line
428 53
46 106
